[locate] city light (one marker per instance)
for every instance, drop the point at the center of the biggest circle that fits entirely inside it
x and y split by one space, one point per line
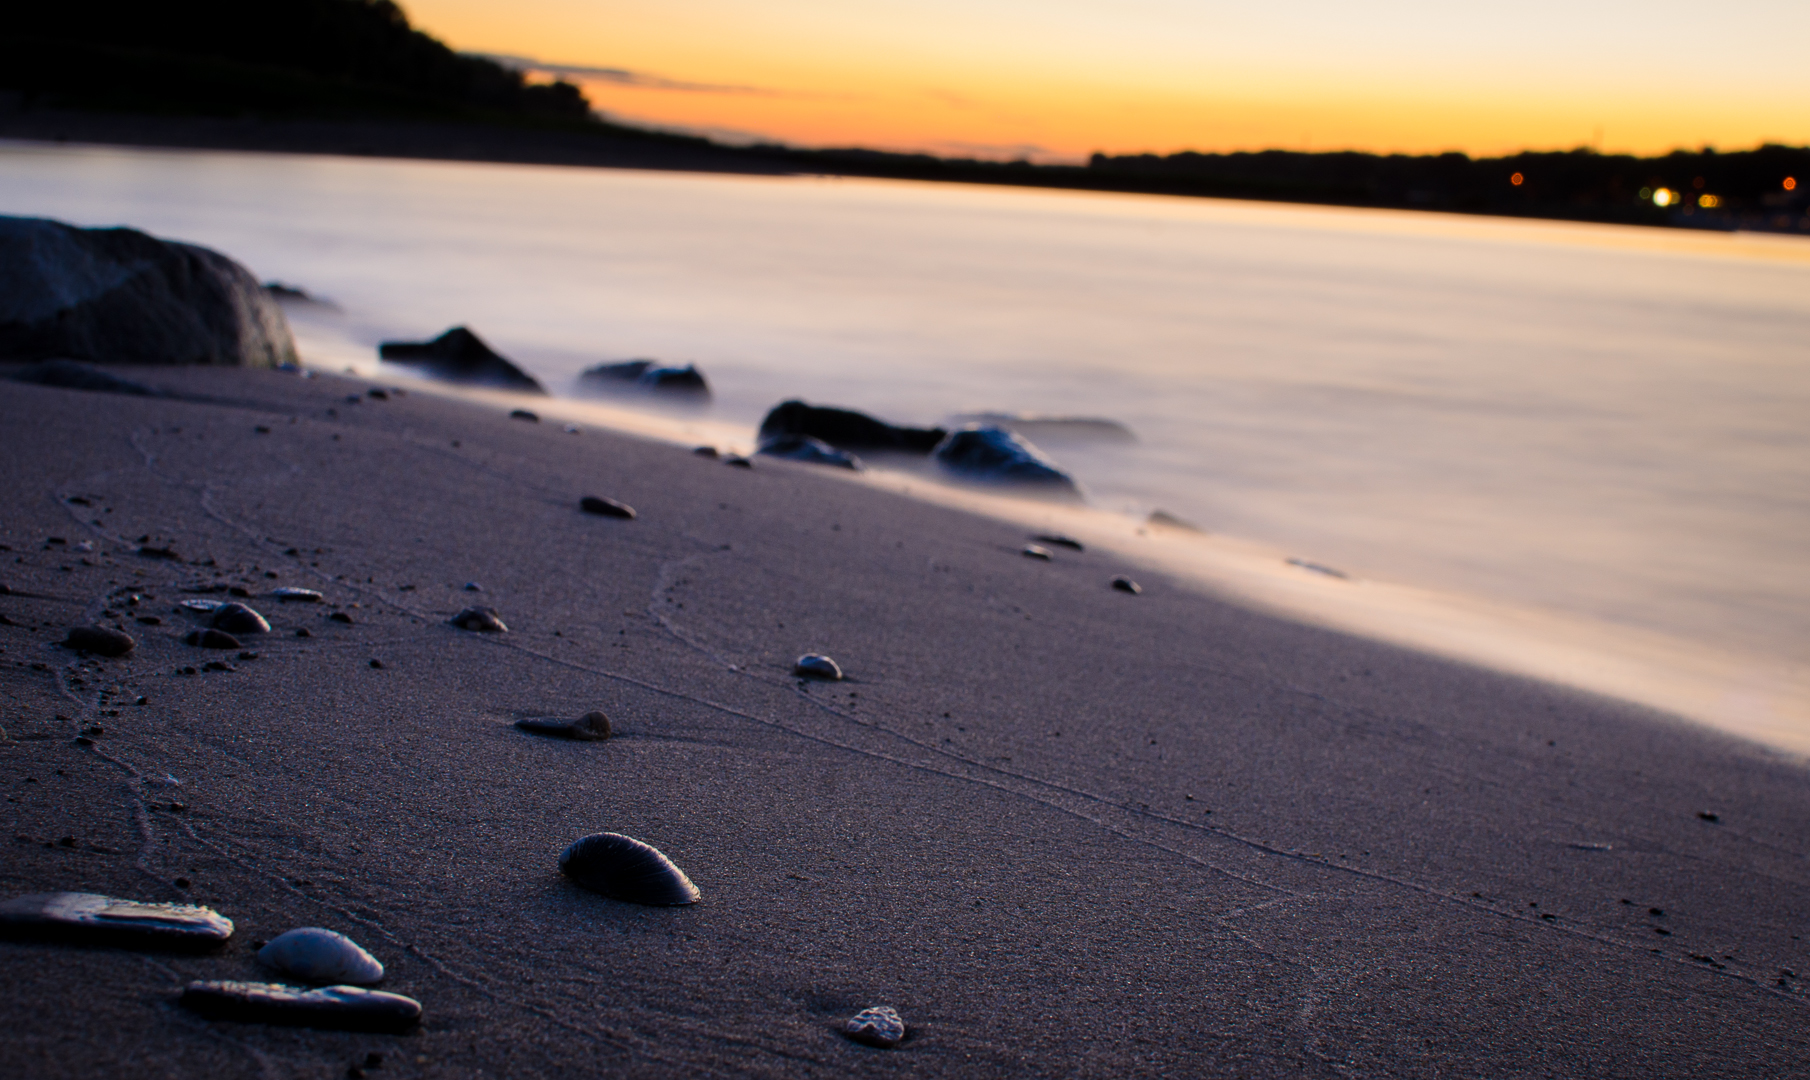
1790 183
1515 179
1708 202
1664 196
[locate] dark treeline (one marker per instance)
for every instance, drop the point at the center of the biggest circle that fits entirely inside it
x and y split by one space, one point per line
274 58
359 60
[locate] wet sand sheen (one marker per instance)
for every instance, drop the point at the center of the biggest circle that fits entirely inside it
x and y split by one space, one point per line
1063 829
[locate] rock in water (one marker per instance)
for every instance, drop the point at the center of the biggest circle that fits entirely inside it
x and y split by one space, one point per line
239 619
879 1026
459 356
646 375
813 666
212 639
318 955
591 727
103 919
1032 551
99 640
294 595
997 455
341 1008
805 448
596 504
483 620
623 868
846 429
120 296
1125 584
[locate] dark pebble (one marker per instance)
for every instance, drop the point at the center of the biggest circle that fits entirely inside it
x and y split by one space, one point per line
378 664
239 591
1125 584
1060 541
524 414
472 586
182 883
481 620
1032 551
379 393
341 617
738 461
879 1026
103 919
623 868
83 740
150 620
593 504
343 1008
592 727
705 451
1709 817
248 655
150 552
239 619
212 639
99 640
815 666
216 665
303 631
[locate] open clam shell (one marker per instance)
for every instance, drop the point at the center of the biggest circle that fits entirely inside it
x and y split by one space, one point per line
623 868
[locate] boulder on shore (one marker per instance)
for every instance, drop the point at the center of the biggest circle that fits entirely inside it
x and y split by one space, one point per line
120 296
460 356
846 429
997 455
646 375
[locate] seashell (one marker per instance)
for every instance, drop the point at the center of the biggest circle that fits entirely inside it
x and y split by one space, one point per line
623 868
1060 541
1032 551
591 727
212 639
344 1008
239 619
295 595
318 955
1125 584
594 504
811 665
92 917
206 606
880 1025
481 620
99 640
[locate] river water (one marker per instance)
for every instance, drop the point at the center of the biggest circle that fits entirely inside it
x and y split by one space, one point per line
1606 426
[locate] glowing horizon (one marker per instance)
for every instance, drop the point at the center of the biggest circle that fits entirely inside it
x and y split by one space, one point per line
1060 80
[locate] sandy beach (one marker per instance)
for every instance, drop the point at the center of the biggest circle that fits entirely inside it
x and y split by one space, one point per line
1065 830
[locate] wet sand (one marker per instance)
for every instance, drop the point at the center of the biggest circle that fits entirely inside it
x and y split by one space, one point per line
1065 830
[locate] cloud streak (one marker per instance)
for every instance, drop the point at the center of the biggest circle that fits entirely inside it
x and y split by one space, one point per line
623 77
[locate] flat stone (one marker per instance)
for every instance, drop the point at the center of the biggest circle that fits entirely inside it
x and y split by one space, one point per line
99 640
315 954
597 504
341 1008
591 727
1059 540
96 919
879 1025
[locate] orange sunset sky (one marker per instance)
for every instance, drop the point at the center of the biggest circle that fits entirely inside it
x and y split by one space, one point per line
1056 80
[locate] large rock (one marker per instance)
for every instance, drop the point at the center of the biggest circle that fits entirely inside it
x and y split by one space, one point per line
646 375
997 455
846 429
460 356
120 296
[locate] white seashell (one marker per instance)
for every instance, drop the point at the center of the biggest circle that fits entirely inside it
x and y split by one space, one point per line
319 955
290 592
209 606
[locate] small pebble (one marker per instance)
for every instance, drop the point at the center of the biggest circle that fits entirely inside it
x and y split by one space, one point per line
705 451
1060 541
239 619
623 868
524 414
101 919
572 429
1032 551
1125 584
149 620
98 640
292 594
738 461
313 954
879 1026
303 631
479 619
1705 815
345 1008
814 666
472 586
341 617
591 727
379 393
378 664
593 504
212 639
205 606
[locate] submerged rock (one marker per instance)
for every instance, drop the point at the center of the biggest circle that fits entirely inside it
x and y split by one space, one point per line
815 666
120 296
997 455
90 917
591 727
290 594
646 375
99 640
460 356
317 955
805 448
239 619
880 1025
596 504
623 868
1125 584
482 620
846 429
212 639
341 1008
1032 551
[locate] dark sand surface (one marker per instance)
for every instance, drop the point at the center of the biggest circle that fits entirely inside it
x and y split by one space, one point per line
1066 831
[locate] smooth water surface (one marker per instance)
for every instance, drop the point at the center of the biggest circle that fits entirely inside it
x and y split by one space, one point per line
1608 422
